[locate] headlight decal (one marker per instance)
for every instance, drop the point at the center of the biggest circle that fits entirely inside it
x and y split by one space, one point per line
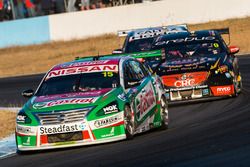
26 130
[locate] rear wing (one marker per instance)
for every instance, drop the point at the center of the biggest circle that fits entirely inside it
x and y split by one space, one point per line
144 55
223 31
153 31
137 55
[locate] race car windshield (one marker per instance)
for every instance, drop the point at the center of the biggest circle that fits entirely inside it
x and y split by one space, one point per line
139 45
193 49
78 83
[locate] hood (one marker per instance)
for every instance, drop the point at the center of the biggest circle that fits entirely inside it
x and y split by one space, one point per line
66 101
185 80
192 64
189 72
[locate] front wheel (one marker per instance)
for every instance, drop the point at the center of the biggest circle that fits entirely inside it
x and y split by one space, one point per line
164 114
129 122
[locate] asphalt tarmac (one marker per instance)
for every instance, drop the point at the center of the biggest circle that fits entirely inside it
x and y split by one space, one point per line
214 133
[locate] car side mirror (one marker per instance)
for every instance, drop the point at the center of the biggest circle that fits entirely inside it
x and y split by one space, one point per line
132 83
28 93
117 51
234 49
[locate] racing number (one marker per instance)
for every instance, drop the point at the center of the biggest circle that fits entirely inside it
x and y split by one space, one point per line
107 74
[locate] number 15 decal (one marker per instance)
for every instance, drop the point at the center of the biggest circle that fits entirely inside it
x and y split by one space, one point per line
107 74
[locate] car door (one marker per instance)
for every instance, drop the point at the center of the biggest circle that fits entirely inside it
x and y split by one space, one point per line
140 87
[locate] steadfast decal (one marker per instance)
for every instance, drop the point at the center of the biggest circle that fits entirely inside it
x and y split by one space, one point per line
55 129
63 102
79 70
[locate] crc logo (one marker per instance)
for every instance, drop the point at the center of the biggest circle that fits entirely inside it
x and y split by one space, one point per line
223 89
184 83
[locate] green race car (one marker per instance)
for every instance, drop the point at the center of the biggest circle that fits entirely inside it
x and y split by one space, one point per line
89 101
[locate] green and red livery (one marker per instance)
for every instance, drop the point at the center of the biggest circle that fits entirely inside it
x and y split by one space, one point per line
90 101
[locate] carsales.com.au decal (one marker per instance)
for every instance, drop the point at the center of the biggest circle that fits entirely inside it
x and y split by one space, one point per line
63 102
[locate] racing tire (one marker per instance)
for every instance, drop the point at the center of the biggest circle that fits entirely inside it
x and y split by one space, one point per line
164 114
237 86
129 122
17 150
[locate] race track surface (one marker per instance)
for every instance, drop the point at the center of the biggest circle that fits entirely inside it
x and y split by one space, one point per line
215 133
11 89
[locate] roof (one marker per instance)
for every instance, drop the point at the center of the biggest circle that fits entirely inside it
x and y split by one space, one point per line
151 32
88 61
85 66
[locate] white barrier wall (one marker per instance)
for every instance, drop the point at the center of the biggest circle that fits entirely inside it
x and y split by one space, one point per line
84 24
108 20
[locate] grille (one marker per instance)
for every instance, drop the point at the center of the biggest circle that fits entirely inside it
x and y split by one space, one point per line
197 92
64 137
61 117
186 93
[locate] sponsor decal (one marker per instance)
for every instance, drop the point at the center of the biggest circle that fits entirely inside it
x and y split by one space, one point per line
73 95
228 75
147 33
101 123
122 97
46 130
111 133
222 69
87 63
26 130
64 102
222 90
205 92
187 39
185 80
110 109
184 83
187 88
145 101
83 69
20 118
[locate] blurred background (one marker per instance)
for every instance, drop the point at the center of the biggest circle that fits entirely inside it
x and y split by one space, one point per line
19 9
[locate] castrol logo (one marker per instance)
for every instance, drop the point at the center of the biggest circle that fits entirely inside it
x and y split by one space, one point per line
184 83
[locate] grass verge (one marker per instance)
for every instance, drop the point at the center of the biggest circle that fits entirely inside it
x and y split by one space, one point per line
7 123
40 58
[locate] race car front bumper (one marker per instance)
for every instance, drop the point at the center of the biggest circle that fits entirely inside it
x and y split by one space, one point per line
70 144
205 92
107 129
